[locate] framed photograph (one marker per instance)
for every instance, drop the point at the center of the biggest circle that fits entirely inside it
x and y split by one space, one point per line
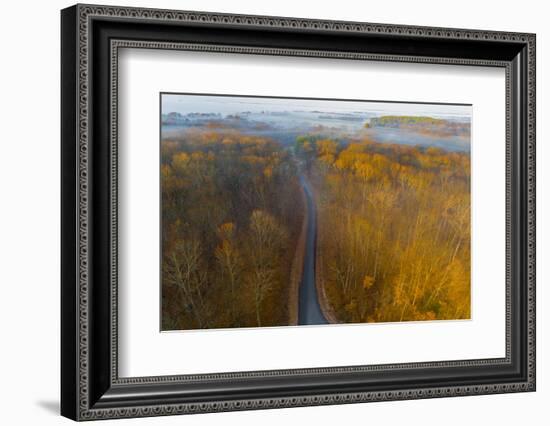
263 212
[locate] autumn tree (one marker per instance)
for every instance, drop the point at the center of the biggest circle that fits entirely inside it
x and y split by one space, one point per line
393 230
228 206
268 238
228 256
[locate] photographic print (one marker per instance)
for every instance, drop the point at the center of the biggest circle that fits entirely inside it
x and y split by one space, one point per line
294 211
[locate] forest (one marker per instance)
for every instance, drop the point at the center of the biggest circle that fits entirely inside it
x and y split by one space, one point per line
283 211
231 219
393 241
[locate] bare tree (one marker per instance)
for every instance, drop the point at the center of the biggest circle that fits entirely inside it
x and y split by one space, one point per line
267 240
227 255
183 270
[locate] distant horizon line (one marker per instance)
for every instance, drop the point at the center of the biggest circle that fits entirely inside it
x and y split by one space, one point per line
186 103
312 111
306 98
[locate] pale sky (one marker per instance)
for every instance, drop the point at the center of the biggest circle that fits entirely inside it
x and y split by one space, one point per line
185 104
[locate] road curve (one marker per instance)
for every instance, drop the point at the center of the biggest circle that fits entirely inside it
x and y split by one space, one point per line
309 310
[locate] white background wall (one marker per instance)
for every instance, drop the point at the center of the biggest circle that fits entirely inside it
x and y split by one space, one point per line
29 211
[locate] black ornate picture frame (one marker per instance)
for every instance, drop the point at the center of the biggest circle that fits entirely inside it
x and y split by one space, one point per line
90 39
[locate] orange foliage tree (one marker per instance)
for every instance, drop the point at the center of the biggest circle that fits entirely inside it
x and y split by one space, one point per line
229 229
393 229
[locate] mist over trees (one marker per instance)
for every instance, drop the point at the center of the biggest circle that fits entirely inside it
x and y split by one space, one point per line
392 236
